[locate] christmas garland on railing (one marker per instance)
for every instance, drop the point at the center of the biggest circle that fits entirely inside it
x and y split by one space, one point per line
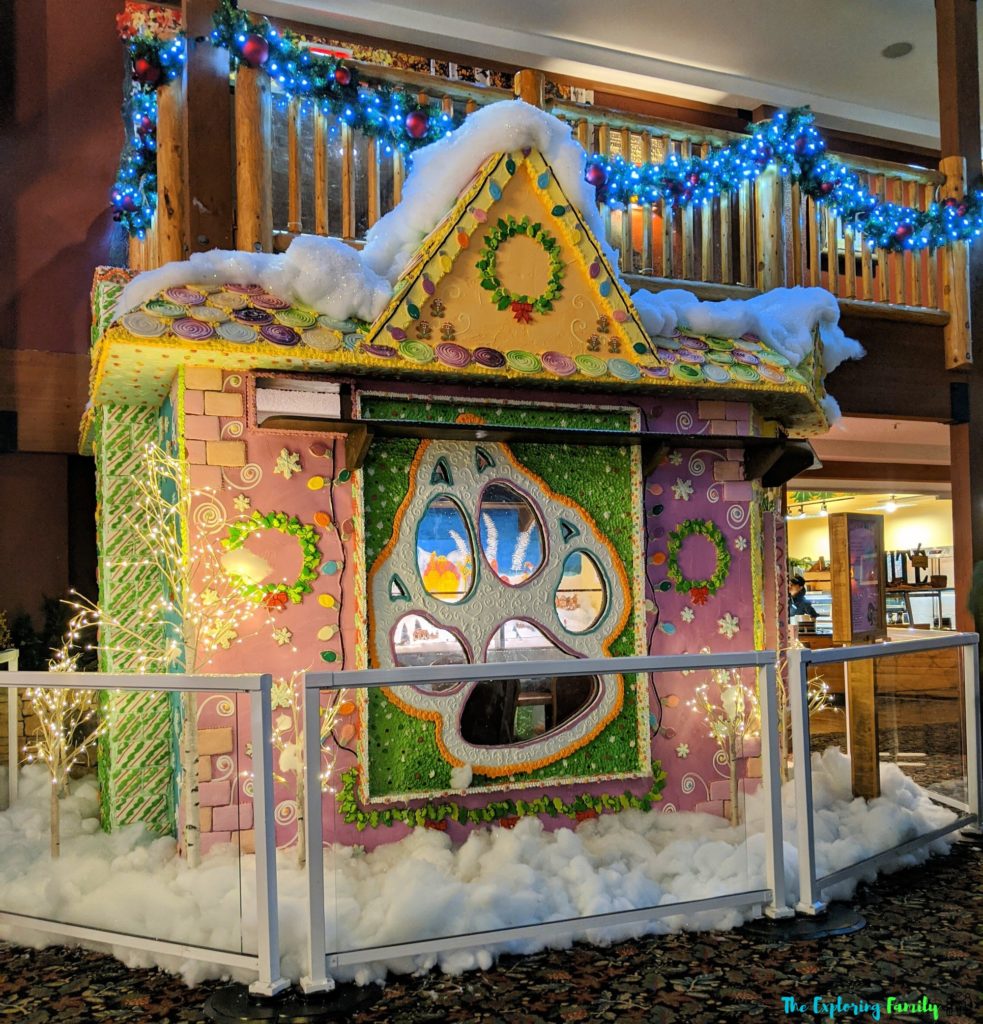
791 142
391 114
156 52
380 111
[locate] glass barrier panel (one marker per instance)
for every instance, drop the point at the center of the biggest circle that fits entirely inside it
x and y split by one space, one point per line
100 835
890 730
518 801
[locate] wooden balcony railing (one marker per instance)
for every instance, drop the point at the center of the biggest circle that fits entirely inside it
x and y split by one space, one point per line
299 170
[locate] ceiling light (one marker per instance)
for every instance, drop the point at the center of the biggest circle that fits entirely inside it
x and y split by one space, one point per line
896 50
824 511
891 506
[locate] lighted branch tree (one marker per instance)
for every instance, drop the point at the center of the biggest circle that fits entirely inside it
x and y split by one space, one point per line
732 713
201 610
68 728
288 743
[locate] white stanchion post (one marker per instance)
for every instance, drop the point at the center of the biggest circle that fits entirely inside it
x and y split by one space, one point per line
316 979
771 776
974 754
10 658
270 981
797 684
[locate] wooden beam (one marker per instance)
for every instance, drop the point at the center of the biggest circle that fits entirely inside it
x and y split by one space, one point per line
172 198
254 169
208 165
530 86
847 469
861 703
48 391
914 385
956 32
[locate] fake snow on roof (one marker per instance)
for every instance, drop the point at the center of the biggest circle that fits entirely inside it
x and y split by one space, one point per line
341 283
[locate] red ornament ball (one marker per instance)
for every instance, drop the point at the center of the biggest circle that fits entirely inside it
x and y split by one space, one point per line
961 209
417 124
342 75
255 50
144 72
596 175
826 187
902 231
129 204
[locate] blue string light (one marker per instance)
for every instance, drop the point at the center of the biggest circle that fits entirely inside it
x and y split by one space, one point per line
790 142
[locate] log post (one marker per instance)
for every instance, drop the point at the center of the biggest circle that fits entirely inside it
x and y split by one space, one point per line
861 704
171 190
769 235
530 86
208 165
254 170
956 36
958 332
294 202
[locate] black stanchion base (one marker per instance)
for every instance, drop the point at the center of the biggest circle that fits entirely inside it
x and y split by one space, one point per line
235 1005
839 919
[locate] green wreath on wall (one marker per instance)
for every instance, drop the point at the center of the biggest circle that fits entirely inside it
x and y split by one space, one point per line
699 590
291 526
522 306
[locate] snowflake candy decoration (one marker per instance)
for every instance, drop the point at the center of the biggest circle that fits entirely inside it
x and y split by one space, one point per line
676 457
287 463
682 751
283 636
687 614
728 626
682 490
741 543
242 503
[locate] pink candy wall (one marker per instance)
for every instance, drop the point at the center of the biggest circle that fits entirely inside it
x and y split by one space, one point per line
700 483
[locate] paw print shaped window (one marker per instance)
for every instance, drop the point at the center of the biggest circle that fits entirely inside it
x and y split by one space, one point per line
487 563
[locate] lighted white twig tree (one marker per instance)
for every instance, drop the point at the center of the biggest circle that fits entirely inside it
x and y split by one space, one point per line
68 727
288 743
731 710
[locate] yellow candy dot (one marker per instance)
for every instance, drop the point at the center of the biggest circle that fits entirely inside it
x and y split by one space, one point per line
326 601
326 632
315 483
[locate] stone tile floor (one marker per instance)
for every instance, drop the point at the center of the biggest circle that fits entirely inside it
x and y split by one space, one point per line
924 938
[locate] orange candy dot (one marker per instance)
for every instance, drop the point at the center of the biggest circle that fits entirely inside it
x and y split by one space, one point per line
658 558
322 519
346 708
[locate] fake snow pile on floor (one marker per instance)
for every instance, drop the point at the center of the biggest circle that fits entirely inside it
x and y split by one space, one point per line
422 886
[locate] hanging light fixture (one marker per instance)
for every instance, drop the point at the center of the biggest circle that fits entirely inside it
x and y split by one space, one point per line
891 506
824 511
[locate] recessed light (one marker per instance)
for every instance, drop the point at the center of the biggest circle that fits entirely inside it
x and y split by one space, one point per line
897 50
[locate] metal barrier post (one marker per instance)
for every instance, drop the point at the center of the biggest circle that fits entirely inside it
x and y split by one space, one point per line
267 919
10 659
316 979
774 838
798 668
974 755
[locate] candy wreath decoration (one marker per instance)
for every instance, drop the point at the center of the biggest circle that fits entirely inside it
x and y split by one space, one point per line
275 595
521 305
698 590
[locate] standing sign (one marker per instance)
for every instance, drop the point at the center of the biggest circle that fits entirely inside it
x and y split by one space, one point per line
856 545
